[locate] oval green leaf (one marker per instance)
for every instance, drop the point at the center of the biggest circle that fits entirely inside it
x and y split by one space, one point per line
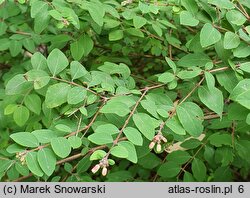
61 146
25 139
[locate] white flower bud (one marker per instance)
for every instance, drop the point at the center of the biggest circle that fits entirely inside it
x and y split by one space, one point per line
164 139
151 145
124 3
22 158
17 155
158 147
104 171
95 168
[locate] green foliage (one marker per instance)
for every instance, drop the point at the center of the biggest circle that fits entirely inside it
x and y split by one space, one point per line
145 124
191 118
47 160
25 139
61 147
124 91
57 62
209 35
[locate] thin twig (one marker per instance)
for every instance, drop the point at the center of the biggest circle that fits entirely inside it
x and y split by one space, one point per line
97 148
233 132
164 4
191 159
227 30
170 46
75 84
22 33
191 29
190 93
95 116
127 121
243 11
177 147
219 69
4 158
213 116
152 87
156 175
220 28
146 80
79 124
161 39
171 114
74 132
71 158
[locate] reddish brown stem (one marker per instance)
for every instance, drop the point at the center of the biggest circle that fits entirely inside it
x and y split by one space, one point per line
192 91
189 161
71 158
75 84
170 47
233 132
127 121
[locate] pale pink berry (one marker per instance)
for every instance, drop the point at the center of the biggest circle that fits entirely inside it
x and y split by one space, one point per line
158 148
104 171
95 168
151 145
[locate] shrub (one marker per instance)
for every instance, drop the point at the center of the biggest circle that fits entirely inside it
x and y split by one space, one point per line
124 91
